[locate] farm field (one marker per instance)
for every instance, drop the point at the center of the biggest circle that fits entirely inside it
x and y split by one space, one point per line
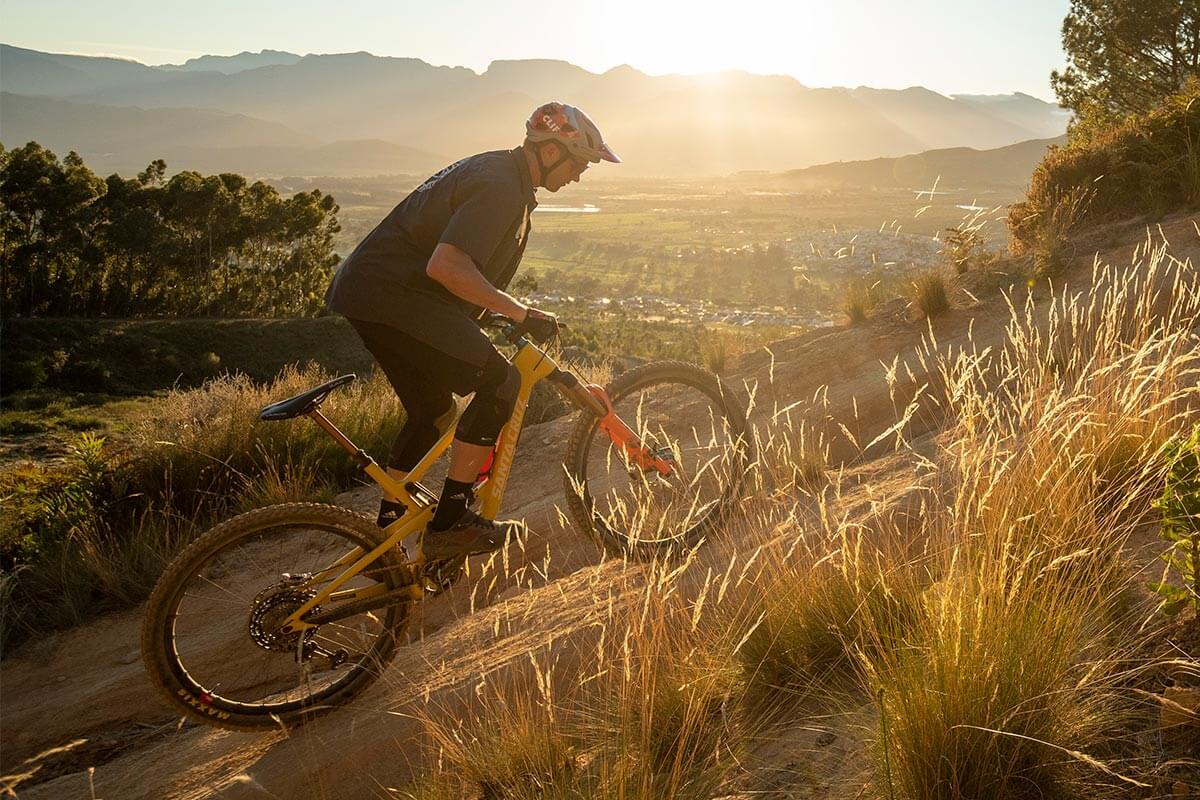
709 250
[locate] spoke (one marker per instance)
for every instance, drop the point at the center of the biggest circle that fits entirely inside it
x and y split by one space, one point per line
242 600
217 644
690 430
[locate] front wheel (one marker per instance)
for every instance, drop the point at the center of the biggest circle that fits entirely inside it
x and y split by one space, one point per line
213 639
686 417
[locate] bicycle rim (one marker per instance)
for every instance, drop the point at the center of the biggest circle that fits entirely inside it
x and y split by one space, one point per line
683 414
223 647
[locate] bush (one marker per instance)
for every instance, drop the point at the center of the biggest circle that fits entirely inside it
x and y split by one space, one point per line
84 375
860 299
1180 508
963 247
17 374
93 534
929 294
1146 165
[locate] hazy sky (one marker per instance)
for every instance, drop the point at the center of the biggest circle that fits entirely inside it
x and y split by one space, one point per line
947 45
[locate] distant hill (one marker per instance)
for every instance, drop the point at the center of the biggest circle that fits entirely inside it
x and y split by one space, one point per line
231 64
33 72
666 125
1029 112
126 139
1002 167
63 125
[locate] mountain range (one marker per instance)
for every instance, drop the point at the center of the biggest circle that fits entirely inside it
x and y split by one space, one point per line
272 113
1005 168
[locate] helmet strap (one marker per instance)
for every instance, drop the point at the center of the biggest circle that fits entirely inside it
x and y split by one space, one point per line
543 170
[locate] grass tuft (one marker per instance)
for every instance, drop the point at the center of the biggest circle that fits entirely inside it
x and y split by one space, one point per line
860 299
929 293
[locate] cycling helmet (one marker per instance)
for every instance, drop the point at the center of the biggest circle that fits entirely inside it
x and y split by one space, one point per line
571 128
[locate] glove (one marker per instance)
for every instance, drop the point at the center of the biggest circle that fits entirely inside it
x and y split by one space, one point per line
540 325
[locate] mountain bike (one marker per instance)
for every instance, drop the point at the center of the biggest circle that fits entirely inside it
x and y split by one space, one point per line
287 611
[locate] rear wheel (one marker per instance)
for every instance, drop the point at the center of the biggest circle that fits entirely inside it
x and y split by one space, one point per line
684 415
212 637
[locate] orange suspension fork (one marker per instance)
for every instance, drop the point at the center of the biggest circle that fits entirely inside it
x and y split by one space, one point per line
624 437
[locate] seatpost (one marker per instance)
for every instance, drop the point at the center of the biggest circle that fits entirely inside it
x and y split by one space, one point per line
361 459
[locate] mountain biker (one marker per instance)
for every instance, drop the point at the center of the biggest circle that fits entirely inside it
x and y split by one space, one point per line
415 286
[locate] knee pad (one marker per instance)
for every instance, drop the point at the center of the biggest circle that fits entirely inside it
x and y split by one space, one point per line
493 403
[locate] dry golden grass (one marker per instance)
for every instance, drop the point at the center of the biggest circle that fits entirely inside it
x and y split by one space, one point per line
860 299
928 292
1001 633
201 454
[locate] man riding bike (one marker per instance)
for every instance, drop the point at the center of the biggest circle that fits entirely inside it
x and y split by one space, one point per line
414 287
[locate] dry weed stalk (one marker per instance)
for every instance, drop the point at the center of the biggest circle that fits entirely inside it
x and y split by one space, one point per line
995 629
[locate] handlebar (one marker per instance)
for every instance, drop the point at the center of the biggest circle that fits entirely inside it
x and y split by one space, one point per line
566 381
509 328
490 319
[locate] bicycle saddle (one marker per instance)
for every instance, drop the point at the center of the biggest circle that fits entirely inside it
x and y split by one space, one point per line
303 403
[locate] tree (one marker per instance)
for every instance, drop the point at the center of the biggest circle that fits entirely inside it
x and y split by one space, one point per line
74 244
155 174
137 243
1125 56
48 221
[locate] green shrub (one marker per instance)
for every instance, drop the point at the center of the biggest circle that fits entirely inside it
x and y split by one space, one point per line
963 247
1180 507
17 374
1147 164
85 375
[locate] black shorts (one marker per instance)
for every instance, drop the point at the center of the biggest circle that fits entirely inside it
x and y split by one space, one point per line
425 379
415 366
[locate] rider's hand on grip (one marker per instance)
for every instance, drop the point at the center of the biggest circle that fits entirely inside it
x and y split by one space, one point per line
540 325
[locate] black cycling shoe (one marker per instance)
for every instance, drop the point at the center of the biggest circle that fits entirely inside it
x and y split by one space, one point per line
472 535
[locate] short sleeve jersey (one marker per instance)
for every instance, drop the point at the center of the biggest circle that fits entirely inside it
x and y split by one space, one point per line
481 205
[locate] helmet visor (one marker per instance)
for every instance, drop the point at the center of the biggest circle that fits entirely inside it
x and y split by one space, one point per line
607 154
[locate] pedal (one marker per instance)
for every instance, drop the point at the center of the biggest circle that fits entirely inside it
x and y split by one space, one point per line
439 576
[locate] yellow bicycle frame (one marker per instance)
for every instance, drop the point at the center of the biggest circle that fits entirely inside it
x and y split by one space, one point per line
534 365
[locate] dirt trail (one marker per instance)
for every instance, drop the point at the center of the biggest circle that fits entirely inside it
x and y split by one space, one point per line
85 691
